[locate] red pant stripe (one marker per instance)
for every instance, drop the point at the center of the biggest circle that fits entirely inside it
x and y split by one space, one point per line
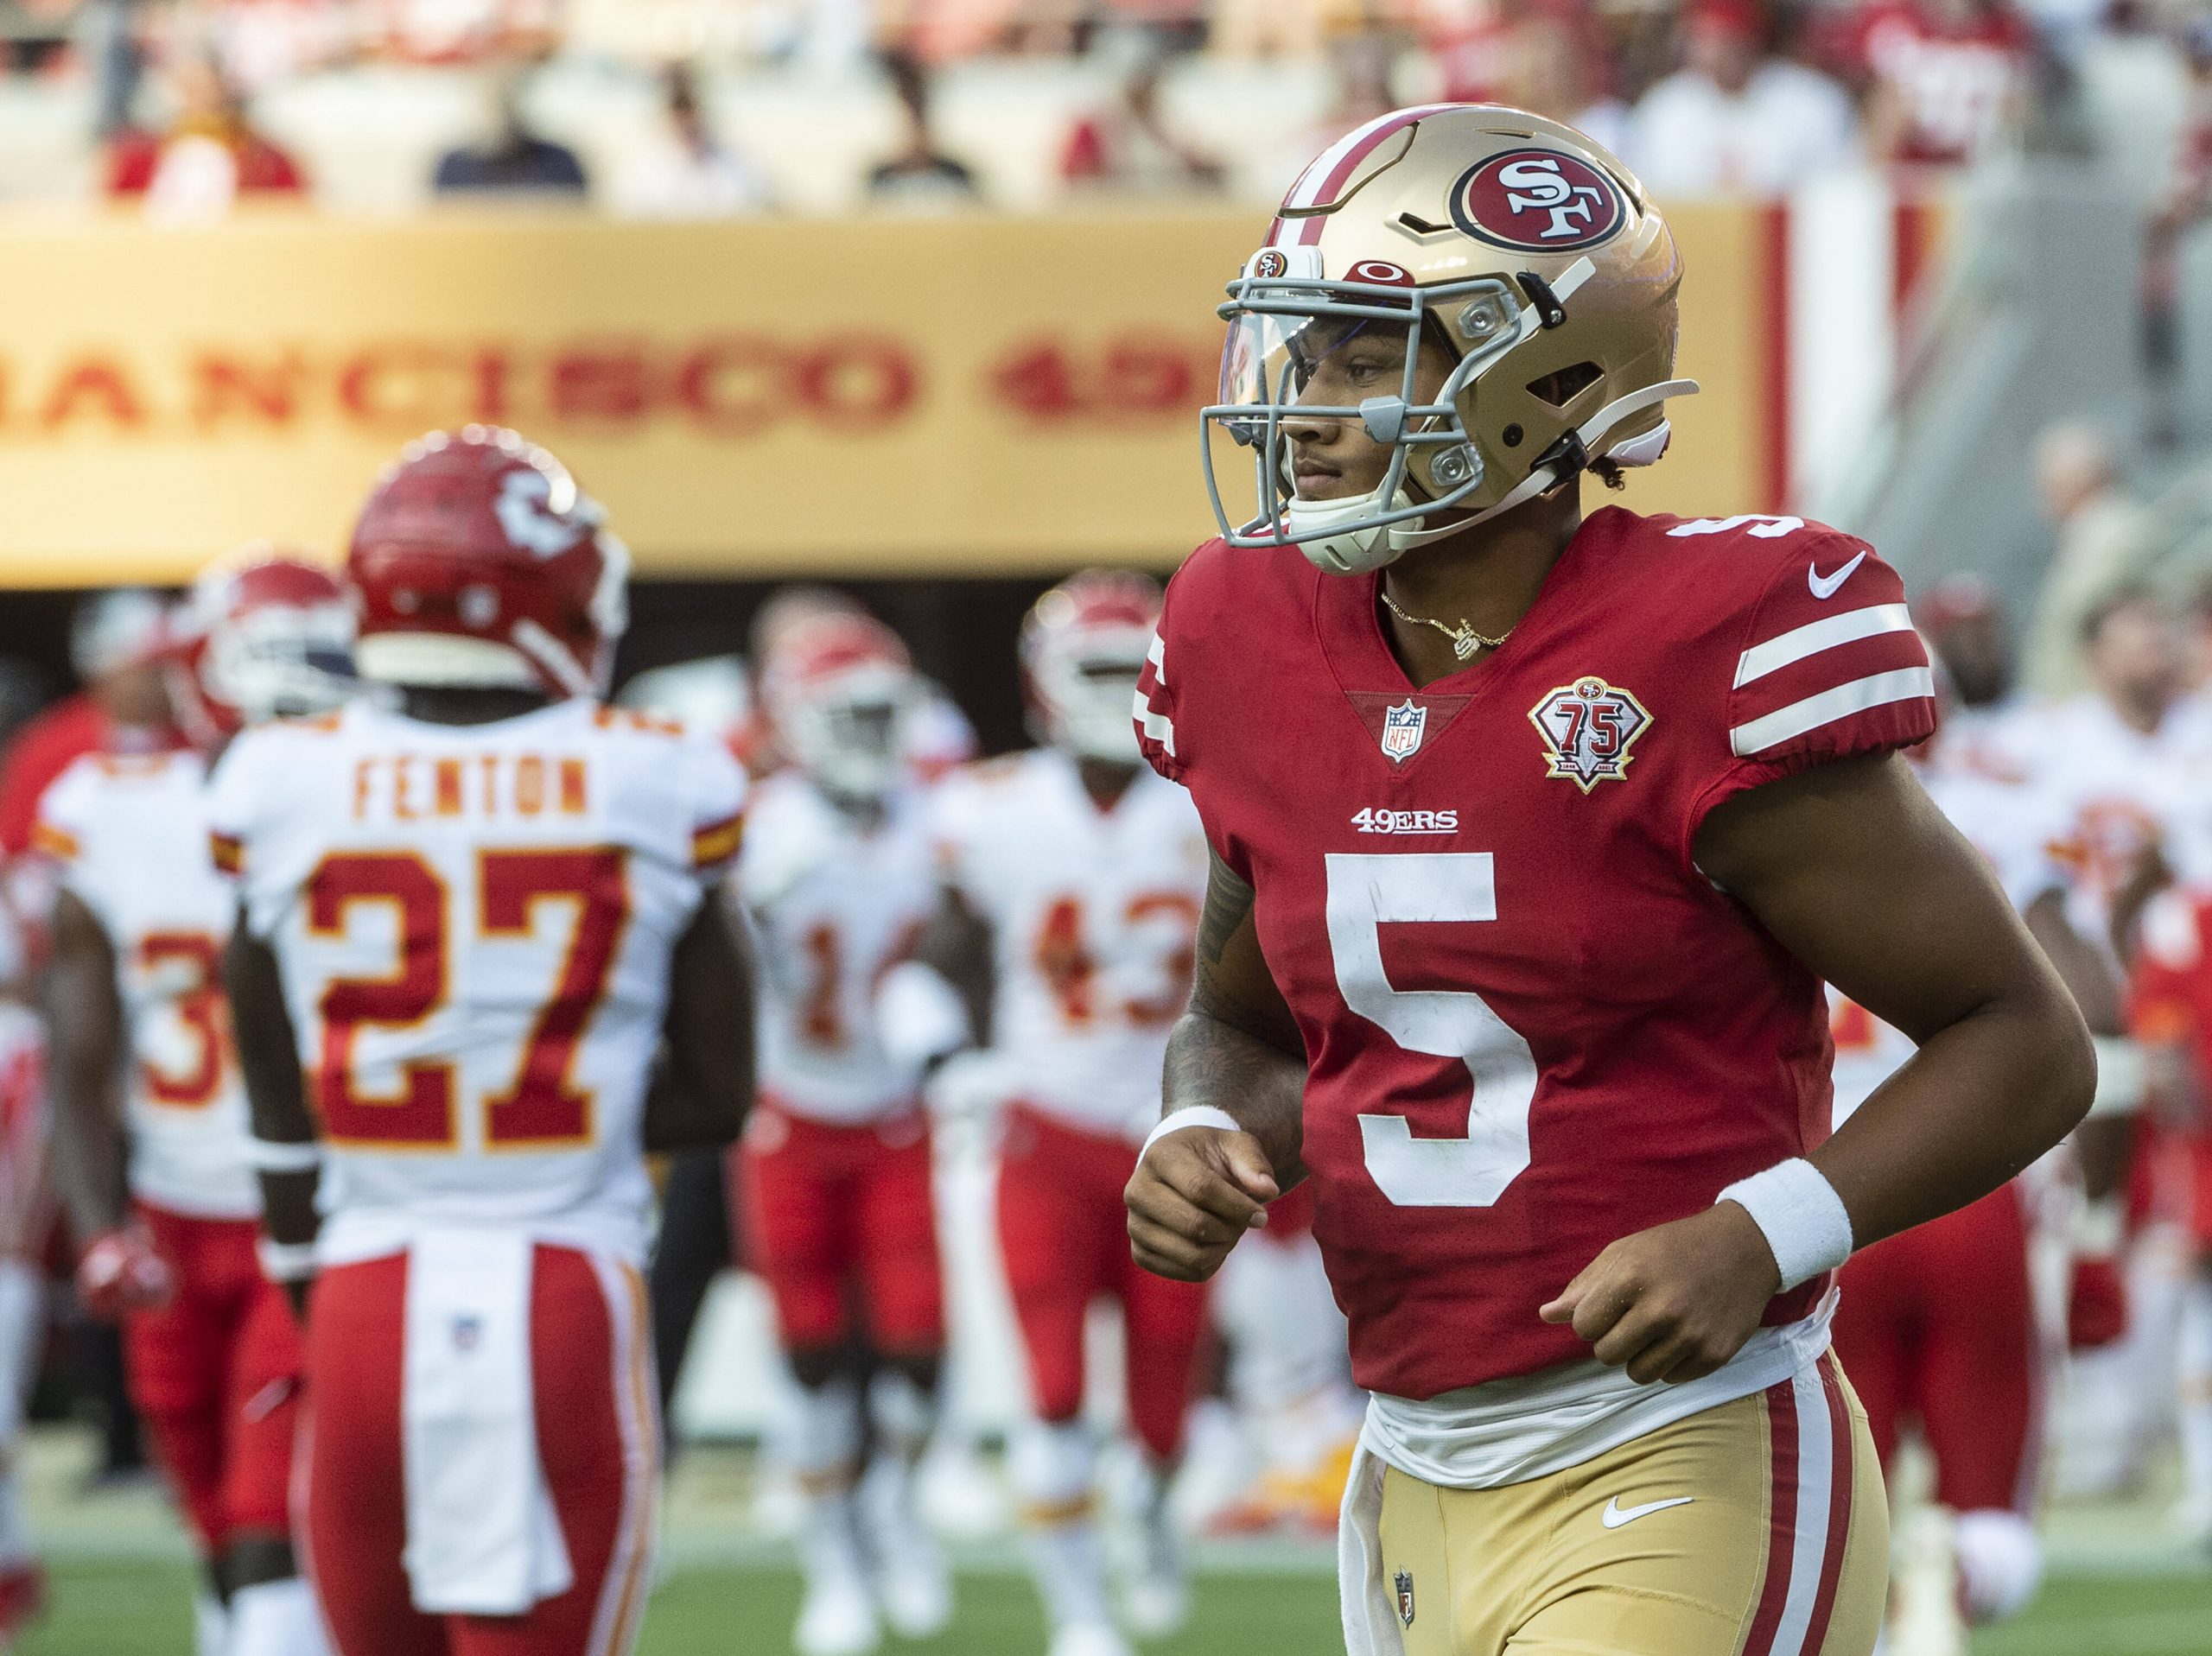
1781 1518
615 1630
1840 1497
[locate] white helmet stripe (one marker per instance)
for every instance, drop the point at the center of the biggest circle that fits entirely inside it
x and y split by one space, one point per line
1318 183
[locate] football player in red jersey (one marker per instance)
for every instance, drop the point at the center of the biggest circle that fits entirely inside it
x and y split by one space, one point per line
1534 835
481 916
143 1057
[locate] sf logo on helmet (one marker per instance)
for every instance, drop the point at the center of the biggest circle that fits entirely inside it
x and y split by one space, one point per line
1537 199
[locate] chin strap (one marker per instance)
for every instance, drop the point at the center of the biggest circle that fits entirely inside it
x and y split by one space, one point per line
1565 458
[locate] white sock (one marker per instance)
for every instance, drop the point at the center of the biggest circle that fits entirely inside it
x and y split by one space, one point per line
2001 1563
211 1626
826 1438
277 1618
829 1538
903 1416
2195 1363
1053 1473
826 1456
20 1304
1070 1571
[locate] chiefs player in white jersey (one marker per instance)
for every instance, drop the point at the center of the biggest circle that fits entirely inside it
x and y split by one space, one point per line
2116 761
480 927
836 1196
26 1223
1954 1326
134 991
1075 875
1535 834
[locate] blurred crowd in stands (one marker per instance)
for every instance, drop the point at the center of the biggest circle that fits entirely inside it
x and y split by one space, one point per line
191 104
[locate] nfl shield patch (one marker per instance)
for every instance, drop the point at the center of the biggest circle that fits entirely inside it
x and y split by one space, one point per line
1588 727
1406 1597
1402 728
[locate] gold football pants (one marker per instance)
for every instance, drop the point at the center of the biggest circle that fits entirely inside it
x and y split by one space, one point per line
1757 1528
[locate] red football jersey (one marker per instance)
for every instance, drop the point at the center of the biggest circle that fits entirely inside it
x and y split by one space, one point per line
1533 1026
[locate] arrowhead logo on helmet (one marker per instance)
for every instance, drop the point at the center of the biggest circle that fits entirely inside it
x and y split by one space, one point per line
478 561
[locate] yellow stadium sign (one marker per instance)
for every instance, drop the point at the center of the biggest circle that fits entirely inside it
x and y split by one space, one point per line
888 395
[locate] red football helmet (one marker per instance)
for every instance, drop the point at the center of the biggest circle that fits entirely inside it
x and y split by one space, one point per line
839 690
477 560
1083 647
264 634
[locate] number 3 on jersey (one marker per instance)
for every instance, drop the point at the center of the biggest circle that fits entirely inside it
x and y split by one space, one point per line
540 1108
1365 893
201 1011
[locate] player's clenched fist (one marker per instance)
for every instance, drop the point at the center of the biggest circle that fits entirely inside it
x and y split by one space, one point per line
1194 1193
1675 1301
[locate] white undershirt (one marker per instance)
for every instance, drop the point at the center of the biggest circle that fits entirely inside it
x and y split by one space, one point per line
1532 1425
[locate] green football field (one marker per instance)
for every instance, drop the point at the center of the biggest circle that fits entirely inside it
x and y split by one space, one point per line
140 1609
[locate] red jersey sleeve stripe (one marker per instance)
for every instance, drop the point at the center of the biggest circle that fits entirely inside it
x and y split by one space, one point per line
1756 736
1830 632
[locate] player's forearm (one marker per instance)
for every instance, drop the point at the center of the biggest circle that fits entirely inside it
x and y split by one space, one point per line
84 1033
680 1115
288 1209
1982 1099
290 1223
956 945
703 1087
88 1156
269 1054
1213 1061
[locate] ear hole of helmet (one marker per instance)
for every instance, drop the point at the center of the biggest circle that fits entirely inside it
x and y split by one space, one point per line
1558 389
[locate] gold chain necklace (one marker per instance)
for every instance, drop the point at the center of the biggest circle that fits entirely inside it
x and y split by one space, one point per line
1464 639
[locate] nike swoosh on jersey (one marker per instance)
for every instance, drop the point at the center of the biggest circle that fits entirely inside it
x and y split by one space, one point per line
1825 586
1615 1514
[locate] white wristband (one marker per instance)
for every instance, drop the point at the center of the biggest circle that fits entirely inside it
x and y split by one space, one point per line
1195 1116
1800 1215
2120 1079
285 1261
270 1156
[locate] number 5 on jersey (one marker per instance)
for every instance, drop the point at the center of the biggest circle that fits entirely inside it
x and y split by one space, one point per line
1365 893
540 1108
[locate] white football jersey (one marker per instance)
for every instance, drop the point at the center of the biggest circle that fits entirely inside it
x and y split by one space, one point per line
2115 792
2013 824
1094 915
129 836
474 925
835 906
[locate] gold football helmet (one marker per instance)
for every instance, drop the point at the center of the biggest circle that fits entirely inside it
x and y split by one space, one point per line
1526 250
